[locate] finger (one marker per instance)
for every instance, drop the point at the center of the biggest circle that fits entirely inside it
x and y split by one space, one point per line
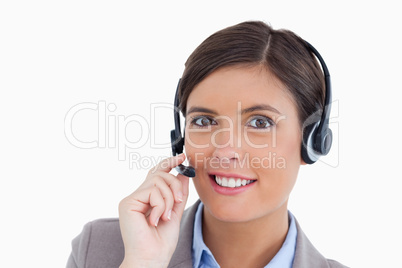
174 184
178 208
158 206
166 193
169 163
146 200
185 185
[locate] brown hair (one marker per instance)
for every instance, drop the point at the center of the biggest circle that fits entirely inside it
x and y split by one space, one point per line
250 43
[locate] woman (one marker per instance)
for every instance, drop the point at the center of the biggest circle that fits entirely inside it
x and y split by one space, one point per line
247 93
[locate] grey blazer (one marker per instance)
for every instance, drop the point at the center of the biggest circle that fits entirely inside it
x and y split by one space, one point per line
100 246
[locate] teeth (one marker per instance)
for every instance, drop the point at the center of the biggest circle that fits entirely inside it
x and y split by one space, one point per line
231 182
224 182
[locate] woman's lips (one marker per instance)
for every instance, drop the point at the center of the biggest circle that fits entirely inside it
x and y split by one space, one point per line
230 184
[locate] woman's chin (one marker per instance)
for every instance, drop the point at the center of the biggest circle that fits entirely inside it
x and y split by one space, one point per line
229 213
240 212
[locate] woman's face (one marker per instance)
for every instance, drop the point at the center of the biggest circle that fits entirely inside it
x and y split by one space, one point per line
243 138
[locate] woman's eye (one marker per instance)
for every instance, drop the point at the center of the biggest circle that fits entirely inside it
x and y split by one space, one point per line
202 121
260 122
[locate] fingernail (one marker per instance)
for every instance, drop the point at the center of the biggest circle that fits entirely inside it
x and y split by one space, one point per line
156 223
169 214
180 196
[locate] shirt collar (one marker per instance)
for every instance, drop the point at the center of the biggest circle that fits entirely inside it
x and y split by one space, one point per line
203 256
200 251
285 256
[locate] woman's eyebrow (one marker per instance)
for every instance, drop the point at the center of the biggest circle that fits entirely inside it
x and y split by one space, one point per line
260 107
198 109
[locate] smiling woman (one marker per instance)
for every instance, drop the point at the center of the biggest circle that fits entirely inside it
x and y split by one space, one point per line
254 99
270 187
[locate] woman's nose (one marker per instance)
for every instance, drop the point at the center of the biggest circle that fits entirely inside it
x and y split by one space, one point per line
226 144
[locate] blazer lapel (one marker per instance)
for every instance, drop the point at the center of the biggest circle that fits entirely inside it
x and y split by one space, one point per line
306 255
182 256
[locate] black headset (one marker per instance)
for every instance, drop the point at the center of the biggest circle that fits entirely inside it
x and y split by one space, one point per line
317 136
177 140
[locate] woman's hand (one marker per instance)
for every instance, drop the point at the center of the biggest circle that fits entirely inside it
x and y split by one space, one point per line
150 216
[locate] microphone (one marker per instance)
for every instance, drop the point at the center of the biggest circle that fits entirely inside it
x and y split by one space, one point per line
186 170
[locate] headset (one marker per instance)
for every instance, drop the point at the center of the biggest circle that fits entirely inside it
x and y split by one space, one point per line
177 140
317 136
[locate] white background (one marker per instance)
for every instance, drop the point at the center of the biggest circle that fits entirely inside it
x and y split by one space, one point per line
57 54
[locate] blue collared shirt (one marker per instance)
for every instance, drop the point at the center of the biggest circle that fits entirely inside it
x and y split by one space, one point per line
203 258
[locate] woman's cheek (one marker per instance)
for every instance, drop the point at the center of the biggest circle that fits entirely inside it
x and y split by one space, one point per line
197 149
288 142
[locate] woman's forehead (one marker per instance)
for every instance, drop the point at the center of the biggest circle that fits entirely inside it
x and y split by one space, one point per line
231 88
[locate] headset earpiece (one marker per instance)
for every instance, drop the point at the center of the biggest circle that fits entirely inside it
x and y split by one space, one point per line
315 144
323 142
